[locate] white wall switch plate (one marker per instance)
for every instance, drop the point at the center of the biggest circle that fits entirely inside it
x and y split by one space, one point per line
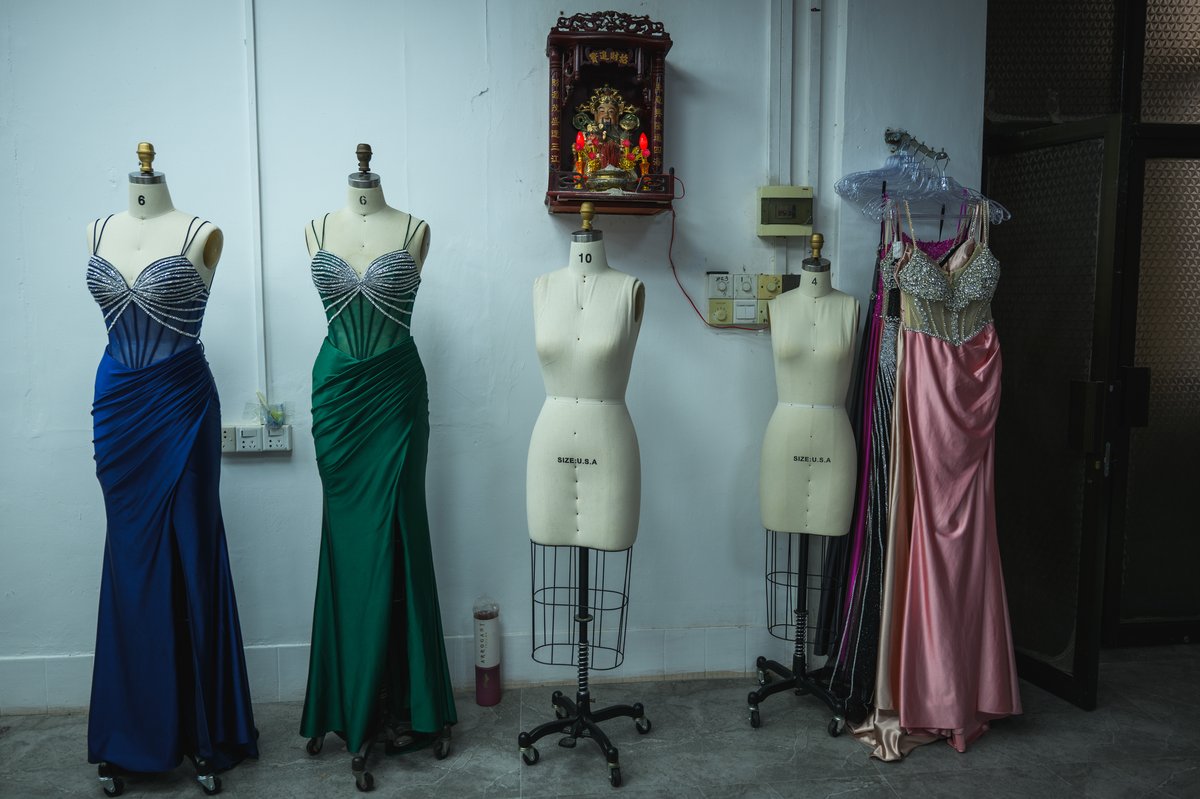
745 286
277 439
745 312
719 286
249 438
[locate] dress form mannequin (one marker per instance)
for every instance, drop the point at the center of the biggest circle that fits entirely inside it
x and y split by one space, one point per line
807 475
169 673
807 478
584 470
152 228
583 480
378 669
367 227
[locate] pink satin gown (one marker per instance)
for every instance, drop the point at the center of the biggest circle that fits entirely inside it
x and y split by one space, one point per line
946 665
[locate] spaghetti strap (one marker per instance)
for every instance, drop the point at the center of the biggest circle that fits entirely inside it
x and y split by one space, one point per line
911 230
890 218
189 238
408 237
321 239
99 234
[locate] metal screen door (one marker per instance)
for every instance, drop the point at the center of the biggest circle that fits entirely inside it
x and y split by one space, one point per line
1052 309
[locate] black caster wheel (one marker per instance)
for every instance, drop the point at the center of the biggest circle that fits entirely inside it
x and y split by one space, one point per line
209 784
441 748
530 755
113 786
836 725
364 781
314 746
642 725
614 776
755 718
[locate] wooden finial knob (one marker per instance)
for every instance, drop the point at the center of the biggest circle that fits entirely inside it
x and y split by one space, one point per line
587 210
363 151
817 241
145 154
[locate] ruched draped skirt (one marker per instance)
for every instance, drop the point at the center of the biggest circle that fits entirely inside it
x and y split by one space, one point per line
170 676
378 653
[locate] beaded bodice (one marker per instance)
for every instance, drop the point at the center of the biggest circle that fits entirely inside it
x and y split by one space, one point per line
370 313
887 272
367 314
953 304
950 301
157 315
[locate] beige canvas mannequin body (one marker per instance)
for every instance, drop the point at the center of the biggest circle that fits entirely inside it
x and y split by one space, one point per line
152 229
807 476
366 229
583 483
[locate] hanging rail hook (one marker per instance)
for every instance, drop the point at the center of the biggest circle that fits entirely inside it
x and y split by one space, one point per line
898 138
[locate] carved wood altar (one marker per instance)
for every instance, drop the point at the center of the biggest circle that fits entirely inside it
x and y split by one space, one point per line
607 64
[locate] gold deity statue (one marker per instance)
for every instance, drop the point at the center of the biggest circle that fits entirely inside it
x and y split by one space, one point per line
606 157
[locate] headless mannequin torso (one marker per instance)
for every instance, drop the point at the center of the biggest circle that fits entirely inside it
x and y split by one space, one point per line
807 477
584 469
153 229
367 228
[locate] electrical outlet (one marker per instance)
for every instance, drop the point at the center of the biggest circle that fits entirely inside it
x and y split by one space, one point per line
277 439
228 438
249 438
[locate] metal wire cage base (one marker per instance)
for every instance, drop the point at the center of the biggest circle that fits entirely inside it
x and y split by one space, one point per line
554 572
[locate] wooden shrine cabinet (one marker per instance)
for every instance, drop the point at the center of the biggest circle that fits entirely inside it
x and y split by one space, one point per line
606 114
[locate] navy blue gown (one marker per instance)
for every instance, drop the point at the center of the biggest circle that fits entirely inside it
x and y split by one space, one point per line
170 675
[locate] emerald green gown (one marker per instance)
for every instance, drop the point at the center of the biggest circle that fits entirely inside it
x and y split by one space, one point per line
378 656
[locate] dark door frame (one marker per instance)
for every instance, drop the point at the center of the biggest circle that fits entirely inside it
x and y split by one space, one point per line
1093 415
1149 142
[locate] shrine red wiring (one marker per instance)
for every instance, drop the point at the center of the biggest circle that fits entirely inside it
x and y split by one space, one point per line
675 273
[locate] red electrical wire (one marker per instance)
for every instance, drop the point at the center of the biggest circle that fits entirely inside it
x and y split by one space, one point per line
687 296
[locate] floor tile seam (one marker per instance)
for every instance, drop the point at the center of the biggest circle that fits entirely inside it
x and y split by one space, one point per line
1047 772
887 784
1162 786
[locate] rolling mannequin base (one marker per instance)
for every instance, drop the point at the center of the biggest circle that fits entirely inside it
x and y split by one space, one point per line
801 682
112 778
394 742
575 720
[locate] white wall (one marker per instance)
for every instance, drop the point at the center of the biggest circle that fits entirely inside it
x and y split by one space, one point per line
452 97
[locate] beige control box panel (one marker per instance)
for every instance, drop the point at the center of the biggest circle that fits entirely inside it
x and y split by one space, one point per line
739 299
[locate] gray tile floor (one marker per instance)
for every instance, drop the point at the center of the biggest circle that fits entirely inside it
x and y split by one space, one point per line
1144 740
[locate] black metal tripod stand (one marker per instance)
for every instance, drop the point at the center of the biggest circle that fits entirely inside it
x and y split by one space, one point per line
576 719
798 678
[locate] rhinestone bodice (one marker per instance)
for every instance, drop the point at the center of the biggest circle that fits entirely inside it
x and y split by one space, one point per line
367 314
157 315
950 303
